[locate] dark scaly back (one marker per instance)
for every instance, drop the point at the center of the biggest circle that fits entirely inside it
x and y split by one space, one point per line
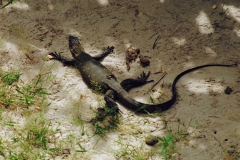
92 71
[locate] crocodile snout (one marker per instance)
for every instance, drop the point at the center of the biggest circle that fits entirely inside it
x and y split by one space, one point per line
73 41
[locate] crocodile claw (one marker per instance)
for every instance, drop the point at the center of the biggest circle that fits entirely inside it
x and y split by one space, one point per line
110 49
54 55
143 77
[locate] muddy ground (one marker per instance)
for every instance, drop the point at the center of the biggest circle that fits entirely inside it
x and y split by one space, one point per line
205 120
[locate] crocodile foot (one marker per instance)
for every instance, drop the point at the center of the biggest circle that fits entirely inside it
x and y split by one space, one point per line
130 83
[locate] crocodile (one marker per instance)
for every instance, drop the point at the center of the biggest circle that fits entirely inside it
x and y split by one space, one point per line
93 72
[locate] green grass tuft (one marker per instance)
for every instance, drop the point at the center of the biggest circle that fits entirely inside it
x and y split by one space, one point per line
167 146
11 77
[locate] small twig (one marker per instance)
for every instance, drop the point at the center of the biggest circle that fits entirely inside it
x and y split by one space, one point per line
0 2
219 145
160 71
152 35
28 56
164 74
155 42
10 2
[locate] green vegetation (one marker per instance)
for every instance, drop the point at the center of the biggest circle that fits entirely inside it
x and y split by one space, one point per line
36 139
11 77
37 134
233 154
31 141
15 94
106 120
167 147
80 122
29 92
131 152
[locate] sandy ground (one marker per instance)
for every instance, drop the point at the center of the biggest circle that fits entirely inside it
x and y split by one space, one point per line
191 33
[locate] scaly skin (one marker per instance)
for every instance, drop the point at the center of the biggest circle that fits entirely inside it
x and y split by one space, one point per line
93 72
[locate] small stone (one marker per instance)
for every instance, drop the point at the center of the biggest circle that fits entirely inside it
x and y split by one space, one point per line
66 151
144 60
214 6
48 58
151 140
228 90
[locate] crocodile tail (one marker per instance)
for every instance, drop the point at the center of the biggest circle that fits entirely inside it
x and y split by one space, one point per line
140 107
150 108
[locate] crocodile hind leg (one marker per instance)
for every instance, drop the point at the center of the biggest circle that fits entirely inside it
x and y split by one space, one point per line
130 83
111 104
102 55
110 112
64 60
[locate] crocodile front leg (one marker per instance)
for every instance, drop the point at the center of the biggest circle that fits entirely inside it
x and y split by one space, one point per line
64 60
102 55
110 98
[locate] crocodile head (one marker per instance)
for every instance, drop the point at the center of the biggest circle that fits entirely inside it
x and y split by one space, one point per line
75 46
